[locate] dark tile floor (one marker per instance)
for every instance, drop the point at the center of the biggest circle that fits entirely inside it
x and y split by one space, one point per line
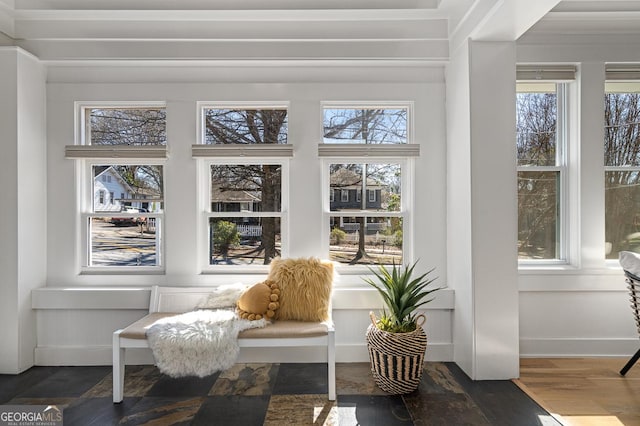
271 394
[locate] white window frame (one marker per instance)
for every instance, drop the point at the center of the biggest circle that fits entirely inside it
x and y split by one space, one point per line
204 189
86 156
566 246
401 154
208 155
86 213
405 212
344 195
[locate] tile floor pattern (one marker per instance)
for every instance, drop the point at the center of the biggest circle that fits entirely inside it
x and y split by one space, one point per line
271 394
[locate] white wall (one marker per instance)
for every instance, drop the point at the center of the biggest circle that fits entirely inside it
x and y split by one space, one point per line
66 332
23 210
581 309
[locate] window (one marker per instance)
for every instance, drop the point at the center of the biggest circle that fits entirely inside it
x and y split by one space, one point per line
365 125
332 196
542 170
246 198
622 167
367 152
344 195
125 233
371 233
129 126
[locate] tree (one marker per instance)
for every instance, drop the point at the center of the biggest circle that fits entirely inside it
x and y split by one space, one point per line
127 126
251 126
536 145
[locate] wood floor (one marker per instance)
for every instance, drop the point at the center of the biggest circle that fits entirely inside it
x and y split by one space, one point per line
584 391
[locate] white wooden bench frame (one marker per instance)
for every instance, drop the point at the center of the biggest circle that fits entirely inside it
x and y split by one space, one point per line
183 299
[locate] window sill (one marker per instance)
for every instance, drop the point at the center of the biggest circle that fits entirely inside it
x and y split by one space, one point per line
118 298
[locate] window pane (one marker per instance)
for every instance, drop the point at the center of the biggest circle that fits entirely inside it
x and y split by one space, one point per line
382 186
536 120
622 129
622 212
246 188
138 188
128 242
244 240
126 126
245 126
538 215
379 243
365 125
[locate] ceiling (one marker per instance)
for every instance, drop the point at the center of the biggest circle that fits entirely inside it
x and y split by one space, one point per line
422 31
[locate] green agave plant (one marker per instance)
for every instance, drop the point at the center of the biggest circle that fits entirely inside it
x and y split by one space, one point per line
401 294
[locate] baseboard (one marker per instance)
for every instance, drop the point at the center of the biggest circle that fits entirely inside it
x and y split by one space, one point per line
577 347
102 355
87 355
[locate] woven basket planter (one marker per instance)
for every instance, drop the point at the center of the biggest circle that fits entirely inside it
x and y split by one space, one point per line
397 358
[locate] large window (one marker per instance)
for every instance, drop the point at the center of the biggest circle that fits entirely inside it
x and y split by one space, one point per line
622 167
245 208
541 142
125 231
122 187
368 223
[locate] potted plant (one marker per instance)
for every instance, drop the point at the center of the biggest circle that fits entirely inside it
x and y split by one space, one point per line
396 341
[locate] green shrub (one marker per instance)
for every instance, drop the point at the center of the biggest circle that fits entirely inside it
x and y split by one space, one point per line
397 239
225 236
338 235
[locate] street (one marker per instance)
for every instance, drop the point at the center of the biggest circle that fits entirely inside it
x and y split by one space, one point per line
113 245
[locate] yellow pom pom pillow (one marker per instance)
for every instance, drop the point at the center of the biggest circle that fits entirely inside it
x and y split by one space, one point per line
259 301
305 288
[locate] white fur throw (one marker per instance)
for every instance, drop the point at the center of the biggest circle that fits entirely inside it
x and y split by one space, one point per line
223 296
201 342
197 343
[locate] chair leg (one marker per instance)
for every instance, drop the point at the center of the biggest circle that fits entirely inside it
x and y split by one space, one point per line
118 369
629 364
331 361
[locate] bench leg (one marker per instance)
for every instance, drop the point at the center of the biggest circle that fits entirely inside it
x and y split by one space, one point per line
118 369
331 361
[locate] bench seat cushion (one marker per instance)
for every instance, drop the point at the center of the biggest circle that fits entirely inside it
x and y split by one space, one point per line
138 329
286 329
278 329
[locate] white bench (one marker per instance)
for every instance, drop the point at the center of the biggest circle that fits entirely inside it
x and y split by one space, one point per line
167 301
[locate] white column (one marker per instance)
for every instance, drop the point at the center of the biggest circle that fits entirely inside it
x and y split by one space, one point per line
482 208
24 205
591 153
